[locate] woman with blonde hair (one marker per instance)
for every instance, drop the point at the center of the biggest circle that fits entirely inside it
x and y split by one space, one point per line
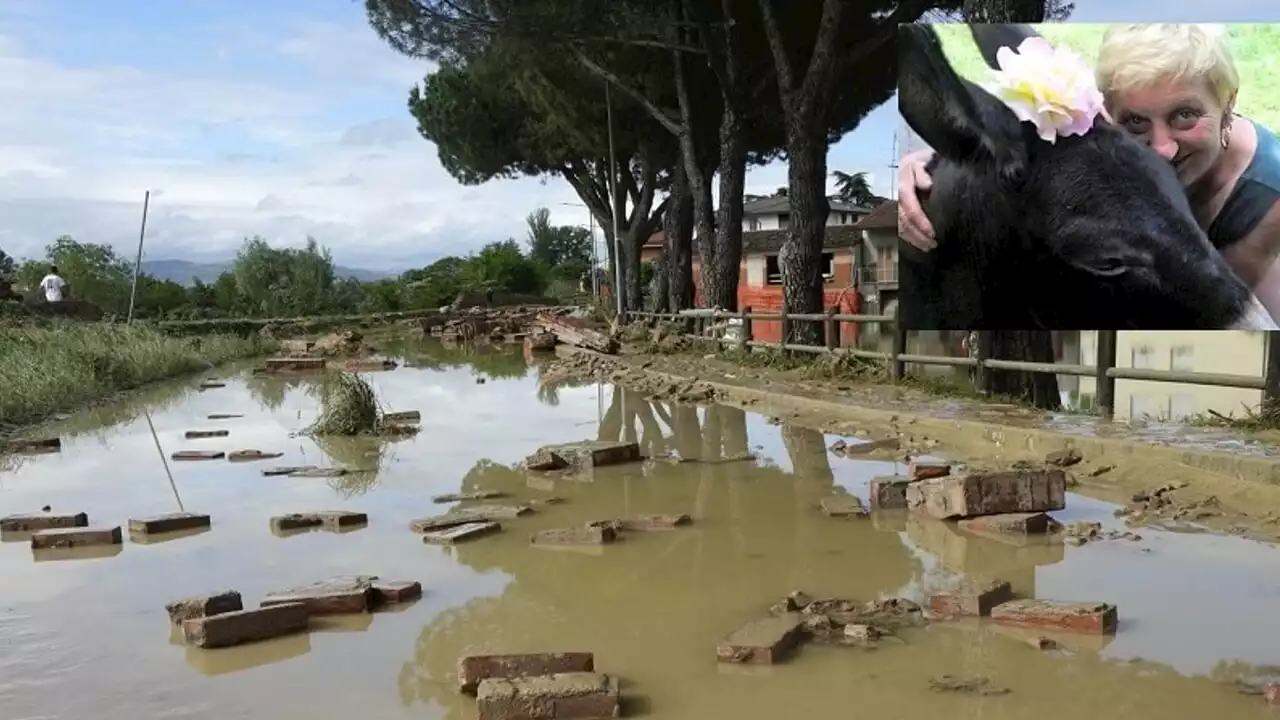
1173 87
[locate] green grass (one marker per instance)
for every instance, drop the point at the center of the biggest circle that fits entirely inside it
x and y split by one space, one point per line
1253 46
349 407
64 366
1265 416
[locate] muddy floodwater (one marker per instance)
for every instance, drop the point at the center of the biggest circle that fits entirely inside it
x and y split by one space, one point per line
86 635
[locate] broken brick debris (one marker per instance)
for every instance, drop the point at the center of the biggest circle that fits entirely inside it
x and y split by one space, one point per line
327 520
927 469
1010 491
1064 458
473 514
641 523
243 626
461 497
285 364
212 385
36 445
460 533
585 455
889 492
336 596
474 669
198 434
974 598
169 522
75 537
286 470
203 606
567 696
403 416
574 536
32 523
763 641
223 416
319 472
396 591
250 455
870 446
1028 523
1093 618
842 506
197 455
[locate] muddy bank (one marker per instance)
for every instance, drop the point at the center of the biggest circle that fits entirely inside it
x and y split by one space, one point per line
1222 481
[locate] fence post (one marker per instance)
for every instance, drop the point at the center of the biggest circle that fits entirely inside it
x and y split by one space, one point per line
1105 395
829 328
746 329
785 323
1271 370
897 368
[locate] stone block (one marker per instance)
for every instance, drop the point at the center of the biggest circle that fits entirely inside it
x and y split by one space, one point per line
405 416
286 470
325 520
575 536
336 596
641 523
320 472
843 506
397 591
1094 618
1032 523
927 469
973 598
189 455
463 497
474 669
1011 491
75 537
870 446
169 522
545 460
203 606
199 434
764 641
593 453
43 521
223 416
1064 458
563 696
889 492
252 455
473 514
460 533
242 626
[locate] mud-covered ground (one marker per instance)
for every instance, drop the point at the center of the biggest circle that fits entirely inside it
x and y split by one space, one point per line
1152 489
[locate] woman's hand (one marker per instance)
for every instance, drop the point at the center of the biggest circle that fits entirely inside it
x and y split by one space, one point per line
913 224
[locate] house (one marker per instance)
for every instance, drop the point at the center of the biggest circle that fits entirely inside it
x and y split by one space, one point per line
878 268
774 213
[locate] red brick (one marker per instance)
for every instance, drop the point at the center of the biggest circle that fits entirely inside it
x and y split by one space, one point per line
575 536
889 493
242 626
170 522
74 537
1094 618
32 523
765 641
203 606
337 596
926 469
843 506
564 696
1012 491
475 668
397 591
1033 523
975 598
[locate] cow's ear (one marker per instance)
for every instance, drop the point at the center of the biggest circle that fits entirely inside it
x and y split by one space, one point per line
959 120
991 37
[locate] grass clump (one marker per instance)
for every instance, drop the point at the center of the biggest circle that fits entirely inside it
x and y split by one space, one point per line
46 369
349 407
1266 416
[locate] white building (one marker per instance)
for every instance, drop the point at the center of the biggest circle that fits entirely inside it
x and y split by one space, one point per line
774 213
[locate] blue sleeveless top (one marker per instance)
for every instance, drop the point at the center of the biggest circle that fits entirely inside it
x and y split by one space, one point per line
1255 193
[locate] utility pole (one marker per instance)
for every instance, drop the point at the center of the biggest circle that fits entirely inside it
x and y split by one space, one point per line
137 263
613 195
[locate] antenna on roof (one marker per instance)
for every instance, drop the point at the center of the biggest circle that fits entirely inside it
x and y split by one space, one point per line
893 166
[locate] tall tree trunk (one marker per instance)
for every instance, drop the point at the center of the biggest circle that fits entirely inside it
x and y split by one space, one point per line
677 244
800 257
696 166
733 179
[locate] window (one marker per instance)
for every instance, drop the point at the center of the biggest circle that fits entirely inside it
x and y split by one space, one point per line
784 221
1139 407
1143 357
753 223
773 273
1182 358
1181 407
1088 349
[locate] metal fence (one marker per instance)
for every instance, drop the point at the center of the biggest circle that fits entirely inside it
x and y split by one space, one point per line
1104 371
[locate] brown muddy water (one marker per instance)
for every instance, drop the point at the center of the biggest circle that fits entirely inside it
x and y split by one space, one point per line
87 637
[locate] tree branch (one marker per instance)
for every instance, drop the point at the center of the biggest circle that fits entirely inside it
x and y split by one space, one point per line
822 63
658 113
778 48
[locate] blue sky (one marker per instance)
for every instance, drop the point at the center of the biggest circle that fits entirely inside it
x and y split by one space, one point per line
281 119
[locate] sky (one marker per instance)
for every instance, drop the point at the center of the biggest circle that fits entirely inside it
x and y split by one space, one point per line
281 119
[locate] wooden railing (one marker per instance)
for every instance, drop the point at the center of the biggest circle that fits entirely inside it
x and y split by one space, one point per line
1104 371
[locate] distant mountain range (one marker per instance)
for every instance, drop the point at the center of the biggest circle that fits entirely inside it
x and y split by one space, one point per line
185 271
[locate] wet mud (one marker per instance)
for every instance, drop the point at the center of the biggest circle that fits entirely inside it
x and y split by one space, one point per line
88 635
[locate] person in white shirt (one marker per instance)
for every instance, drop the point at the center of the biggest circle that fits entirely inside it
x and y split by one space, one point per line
53 285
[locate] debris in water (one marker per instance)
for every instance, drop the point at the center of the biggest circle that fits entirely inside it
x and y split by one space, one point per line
336 596
33 523
287 470
460 497
1064 458
171 522
212 385
182 455
223 416
243 626
38 445
460 533
574 536
474 669
1092 618
565 695
764 641
974 685
974 598
74 537
203 606
989 493
325 520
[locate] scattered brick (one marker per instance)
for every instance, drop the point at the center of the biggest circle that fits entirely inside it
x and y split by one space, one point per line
203 606
473 514
75 537
242 626
764 641
1093 618
843 506
319 472
870 446
297 347
327 520
171 522
927 469
294 363
889 493
545 460
198 434
286 470
37 445
641 523
402 417
474 669
1101 470
975 598
460 533
1032 523
223 416
580 696
372 364
337 596
575 536
859 633
251 455
212 385
585 455
182 455
461 497
396 591
1064 458
32 523
1012 491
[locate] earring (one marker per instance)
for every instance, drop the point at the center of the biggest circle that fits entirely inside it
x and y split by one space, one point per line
1226 135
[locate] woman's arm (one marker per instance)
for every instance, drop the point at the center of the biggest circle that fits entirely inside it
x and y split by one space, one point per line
1256 259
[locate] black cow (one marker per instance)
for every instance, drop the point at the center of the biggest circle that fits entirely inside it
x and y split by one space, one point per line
1092 232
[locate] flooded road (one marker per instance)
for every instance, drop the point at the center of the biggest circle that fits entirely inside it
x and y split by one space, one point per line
87 637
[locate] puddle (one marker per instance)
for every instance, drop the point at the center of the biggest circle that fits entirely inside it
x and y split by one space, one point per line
651 607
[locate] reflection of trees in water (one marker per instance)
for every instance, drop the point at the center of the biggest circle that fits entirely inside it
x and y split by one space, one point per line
661 427
100 421
495 361
364 454
270 391
807 449
549 389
